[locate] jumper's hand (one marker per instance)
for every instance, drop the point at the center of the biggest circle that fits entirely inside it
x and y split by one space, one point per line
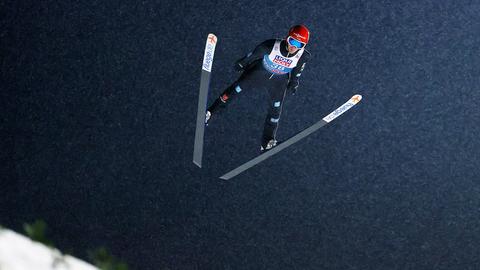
239 67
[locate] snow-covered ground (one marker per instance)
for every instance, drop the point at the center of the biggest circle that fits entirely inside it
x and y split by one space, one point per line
18 252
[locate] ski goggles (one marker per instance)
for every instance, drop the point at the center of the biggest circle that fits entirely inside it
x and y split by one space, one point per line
295 43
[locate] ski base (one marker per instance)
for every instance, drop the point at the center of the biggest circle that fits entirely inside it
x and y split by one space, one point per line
327 119
202 98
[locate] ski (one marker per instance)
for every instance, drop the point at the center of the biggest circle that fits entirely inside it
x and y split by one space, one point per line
327 119
202 98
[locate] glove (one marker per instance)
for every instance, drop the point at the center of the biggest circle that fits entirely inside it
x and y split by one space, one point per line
239 67
292 87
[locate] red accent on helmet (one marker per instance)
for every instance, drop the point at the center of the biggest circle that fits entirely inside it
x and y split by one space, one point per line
300 33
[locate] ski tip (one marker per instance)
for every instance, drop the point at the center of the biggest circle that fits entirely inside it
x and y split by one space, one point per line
212 38
356 99
209 52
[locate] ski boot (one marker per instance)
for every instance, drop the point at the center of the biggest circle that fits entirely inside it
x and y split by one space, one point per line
208 114
272 143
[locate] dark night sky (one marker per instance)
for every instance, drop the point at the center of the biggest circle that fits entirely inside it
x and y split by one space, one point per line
98 108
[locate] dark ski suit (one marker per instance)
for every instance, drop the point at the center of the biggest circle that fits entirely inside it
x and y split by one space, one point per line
255 74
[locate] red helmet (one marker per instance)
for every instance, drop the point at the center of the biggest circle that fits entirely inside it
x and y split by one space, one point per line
300 33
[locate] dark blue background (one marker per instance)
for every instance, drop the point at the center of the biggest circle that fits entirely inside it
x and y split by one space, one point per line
98 110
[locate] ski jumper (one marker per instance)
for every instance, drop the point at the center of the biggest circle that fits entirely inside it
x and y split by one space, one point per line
269 66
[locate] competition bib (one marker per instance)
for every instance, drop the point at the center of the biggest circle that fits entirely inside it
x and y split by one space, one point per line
276 63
